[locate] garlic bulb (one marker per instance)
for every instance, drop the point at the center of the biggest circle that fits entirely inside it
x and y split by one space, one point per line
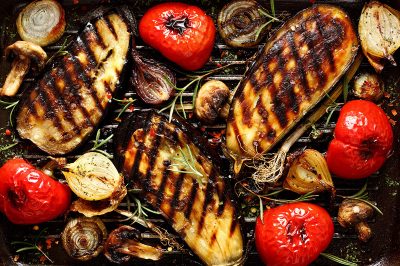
379 30
309 173
92 177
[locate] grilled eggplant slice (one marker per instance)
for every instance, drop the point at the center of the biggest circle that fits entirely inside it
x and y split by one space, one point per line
68 102
196 202
296 68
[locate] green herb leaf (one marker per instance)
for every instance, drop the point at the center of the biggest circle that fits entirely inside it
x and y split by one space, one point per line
338 259
261 210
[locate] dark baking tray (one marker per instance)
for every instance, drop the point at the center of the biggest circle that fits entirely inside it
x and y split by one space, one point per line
383 187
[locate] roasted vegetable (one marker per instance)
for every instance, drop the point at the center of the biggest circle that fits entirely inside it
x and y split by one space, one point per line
368 86
42 22
355 213
379 29
28 196
67 103
92 176
363 140
182 33
241 23
212 101
170 163
309 173
153 82
123 244
83 238
25 55
297 67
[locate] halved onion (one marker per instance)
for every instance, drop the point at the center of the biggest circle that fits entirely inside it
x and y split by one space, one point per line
92 176
83 238
309 173
379 30
42 22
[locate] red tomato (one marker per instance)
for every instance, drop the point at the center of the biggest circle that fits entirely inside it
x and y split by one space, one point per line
28 196
182 33
293 234
363 140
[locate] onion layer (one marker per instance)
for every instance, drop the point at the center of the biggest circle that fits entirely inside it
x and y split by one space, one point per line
41 22
379 30
83 238
239 23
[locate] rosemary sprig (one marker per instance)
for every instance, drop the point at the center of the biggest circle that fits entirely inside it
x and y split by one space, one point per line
59 52
362 195
97 144
272 18
338 260
186 163
125 103
196 80
27 246
9 105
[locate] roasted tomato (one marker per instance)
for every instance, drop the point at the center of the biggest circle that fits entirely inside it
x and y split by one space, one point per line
363 140
182 33
28 196
293 234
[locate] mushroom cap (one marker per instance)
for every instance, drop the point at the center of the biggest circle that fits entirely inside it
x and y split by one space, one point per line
212 97
27 50
353 211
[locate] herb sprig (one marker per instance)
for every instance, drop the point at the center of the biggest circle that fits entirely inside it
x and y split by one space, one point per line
9 105
196 79
272 18
362 195
28 246
125 103
97 144
61 51
338 259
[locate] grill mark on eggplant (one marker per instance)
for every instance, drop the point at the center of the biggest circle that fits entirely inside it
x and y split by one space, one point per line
111 27
327 46
82 75
160 193
208 197
193 192
177 193
61 104
234 223
153 153
82 43
299 63
73 90
99 38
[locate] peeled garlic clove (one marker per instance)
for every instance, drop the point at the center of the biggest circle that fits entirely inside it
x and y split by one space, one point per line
309 173
92 177
379 30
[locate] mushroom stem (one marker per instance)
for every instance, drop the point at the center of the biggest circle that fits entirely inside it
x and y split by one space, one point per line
14 79
364 231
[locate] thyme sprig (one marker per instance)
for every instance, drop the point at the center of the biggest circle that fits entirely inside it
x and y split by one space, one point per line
28 246
196 79
125 103
186 163
362 195
9 105
338 260
97 144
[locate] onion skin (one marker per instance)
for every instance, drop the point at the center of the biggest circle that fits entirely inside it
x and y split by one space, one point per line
239 22
149 78
84 238
41 22
379 30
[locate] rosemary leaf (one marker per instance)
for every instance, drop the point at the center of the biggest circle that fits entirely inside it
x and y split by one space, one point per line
338 260
261 210
272 4
26 248
7 147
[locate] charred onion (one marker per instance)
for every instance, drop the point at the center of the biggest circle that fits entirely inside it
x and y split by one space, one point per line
243 23
41 22
123 243
379 30
368 86
92 176
154 83
83 238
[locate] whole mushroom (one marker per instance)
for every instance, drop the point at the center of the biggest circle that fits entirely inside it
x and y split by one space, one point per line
355 213
26 55
212 102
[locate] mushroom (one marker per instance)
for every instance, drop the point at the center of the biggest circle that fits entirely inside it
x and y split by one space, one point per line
26 55
212 101
122 244
354 213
